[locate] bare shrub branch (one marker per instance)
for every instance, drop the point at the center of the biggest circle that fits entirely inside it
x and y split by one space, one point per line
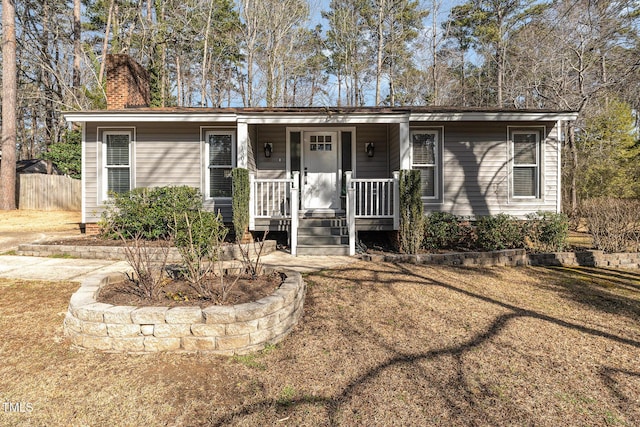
253 267
148 263
614 224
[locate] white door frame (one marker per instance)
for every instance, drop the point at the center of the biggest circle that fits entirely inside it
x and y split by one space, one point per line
327 169
339 171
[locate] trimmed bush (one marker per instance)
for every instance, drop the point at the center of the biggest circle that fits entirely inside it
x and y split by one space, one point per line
501 231
147 213
442 230
411 233
241 192
547 231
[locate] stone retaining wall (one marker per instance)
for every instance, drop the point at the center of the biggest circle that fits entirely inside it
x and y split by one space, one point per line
587 259
117 252
224 330
516 257
507 257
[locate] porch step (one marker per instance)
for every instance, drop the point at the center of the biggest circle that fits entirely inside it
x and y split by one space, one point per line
319 250
322 240
323 236
322 222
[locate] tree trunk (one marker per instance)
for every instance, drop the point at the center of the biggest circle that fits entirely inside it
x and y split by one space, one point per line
179 82
379 49
105 43
205 59
77 49
434 52
9 105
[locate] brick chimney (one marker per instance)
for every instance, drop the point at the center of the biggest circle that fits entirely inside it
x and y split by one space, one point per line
127 83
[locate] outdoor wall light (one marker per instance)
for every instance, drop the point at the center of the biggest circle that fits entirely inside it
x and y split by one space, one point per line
268 149
369 148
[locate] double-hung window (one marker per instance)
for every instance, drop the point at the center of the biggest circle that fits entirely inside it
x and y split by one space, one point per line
116 153
525 145
220 156
424 157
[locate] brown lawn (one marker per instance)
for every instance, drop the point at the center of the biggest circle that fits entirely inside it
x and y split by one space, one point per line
379 344
39 221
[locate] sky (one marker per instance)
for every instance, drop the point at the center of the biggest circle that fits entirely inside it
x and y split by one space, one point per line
317 6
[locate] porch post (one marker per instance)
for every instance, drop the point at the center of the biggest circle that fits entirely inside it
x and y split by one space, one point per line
351 219
405 145
242 149
351 212
252 201
295 185
396 200
347 178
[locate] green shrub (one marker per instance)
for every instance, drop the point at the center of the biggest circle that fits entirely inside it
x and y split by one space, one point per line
442 230
547 231
240 178
501 231
411 233
147 213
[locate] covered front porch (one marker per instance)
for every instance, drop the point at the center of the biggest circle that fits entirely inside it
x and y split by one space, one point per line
367 204
323 179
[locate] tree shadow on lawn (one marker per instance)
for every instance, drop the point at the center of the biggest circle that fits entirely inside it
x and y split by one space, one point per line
334 403
601 289
609 376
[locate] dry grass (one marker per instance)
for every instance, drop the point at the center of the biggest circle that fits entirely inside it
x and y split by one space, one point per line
379 344
39 221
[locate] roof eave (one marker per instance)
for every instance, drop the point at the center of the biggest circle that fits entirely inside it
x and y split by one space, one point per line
315 116
503 116
147 116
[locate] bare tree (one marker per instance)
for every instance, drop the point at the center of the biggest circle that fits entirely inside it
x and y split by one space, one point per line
9 106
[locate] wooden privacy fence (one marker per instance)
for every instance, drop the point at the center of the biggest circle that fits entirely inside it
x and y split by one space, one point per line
48 192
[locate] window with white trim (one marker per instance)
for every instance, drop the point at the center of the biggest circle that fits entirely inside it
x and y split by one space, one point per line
525 146
220 161
116 160
424 157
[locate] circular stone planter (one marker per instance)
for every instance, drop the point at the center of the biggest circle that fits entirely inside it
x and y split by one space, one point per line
225 330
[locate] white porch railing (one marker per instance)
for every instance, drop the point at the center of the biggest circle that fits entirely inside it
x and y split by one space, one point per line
371 198
275 199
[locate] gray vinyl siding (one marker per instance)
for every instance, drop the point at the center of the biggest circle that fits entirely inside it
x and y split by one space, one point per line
378 165
167 155
90 174
394 147
476 170
274 167
164 154
475 174
251 154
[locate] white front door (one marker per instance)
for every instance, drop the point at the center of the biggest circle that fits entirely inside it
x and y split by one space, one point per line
320 172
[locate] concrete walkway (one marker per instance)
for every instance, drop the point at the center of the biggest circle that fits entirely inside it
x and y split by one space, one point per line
305 264
37 268
75 269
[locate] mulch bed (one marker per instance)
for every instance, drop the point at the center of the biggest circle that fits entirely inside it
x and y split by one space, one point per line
177 293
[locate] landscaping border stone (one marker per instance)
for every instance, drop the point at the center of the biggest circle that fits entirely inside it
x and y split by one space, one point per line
516 257
591 258
224 330
507 257
229 252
